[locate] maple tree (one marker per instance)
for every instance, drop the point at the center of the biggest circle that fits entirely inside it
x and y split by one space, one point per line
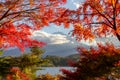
94 63
19 18
94 18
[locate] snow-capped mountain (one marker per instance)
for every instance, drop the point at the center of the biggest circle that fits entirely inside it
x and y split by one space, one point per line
57 44
60 44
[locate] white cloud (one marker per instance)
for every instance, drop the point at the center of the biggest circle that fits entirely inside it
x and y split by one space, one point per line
59 39
77 5
60 44
50 38
57 44
89 43
112 40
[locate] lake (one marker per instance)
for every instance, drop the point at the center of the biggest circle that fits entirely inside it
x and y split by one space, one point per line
52 70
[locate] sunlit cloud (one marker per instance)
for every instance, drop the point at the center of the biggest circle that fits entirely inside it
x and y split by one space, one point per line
50 38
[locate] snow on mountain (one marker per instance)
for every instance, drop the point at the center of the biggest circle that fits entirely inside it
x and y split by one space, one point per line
57 44
60 44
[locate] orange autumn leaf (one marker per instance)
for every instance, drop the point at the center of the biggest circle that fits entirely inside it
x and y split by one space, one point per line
66 24
19 18
31 2
118 30
100 16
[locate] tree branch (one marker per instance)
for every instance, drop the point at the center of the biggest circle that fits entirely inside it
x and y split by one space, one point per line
4 15
24 11
99 23
118 36
103 15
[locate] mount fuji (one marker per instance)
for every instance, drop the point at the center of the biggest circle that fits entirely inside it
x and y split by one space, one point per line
59 44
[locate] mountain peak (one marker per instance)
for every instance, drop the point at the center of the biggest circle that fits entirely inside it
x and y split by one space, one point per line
59 33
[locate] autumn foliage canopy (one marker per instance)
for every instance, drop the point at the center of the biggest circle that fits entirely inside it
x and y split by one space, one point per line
94 18
19 18
94 63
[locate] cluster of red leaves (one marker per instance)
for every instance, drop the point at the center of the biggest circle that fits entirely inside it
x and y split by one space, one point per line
39 13
49 11
107 49
82 33
94 63
17 15
17 74
11 36
97 17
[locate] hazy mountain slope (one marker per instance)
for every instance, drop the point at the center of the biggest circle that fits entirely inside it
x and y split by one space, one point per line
60 44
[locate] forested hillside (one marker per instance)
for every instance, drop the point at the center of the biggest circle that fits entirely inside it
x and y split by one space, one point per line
62 61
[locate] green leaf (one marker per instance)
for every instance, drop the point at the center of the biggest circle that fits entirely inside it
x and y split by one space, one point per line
1 52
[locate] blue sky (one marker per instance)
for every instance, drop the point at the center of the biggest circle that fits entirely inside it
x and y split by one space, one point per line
54 28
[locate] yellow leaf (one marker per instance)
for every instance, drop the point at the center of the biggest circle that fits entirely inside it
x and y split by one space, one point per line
78 24
113 2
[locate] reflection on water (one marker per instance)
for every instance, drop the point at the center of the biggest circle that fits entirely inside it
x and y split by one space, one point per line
52 70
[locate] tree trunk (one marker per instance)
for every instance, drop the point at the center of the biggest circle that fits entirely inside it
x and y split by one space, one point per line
118 36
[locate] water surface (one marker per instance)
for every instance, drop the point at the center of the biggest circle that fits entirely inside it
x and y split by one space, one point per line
52 70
